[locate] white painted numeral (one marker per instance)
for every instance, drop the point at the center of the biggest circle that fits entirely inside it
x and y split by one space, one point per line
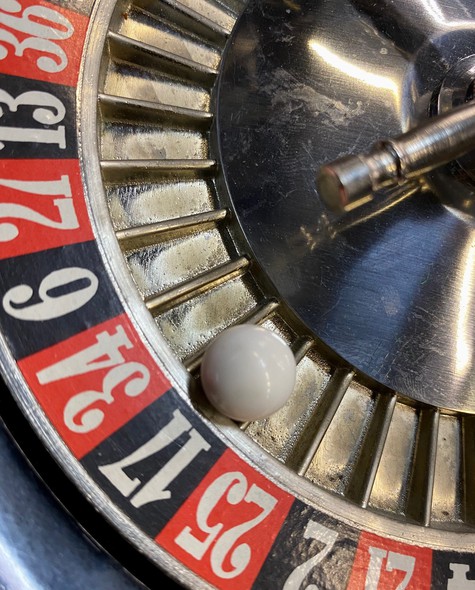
40 187
80 417
459 580
328 537
104 354
41 37
235 489
61 29
395 561
79 414
50 111
155 488
81 286
65 205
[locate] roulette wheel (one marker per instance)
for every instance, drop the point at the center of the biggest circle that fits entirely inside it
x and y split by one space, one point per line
159 165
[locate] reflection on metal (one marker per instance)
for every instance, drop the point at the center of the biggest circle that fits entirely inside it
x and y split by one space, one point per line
366 465
464 336
352 70
136 237
387 201
115 171
186 17
421 485
120 108
150 56
436 14
457 86
301 347
191 288
318 423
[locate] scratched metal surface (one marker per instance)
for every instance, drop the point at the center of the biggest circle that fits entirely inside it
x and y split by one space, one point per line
391 290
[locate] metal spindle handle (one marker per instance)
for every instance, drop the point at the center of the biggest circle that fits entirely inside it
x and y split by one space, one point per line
351 181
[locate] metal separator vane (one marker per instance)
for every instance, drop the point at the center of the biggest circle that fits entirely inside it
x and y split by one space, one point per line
159 164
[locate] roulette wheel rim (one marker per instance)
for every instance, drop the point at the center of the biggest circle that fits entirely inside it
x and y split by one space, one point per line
294 490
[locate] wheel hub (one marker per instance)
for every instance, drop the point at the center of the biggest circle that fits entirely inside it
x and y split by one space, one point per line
387 287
